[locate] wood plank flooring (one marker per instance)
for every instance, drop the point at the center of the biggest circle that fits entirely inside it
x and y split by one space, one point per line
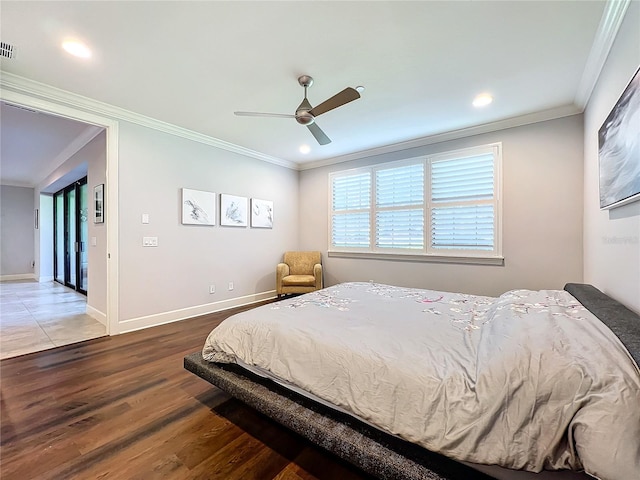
123 407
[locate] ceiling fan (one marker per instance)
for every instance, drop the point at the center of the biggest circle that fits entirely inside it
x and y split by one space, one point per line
306 114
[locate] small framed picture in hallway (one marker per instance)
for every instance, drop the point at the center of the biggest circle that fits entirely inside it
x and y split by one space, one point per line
98 201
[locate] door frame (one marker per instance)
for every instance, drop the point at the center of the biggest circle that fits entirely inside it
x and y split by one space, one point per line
78 244
62 104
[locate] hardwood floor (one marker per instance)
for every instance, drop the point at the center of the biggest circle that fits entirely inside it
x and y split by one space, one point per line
123 407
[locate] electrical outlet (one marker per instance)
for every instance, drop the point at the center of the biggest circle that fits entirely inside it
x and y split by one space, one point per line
212 289
230 285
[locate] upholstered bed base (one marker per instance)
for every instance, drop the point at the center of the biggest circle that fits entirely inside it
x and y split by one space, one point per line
371 450
367 448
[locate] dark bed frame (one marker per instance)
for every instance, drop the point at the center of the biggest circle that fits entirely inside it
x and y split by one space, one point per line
369 449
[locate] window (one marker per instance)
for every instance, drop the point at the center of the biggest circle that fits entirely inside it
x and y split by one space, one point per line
399 206
351 200
444 205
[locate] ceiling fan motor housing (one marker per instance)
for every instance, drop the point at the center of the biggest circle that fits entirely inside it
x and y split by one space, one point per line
303 117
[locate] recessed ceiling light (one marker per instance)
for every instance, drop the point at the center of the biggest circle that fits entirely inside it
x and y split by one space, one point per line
482 100
360 88
77 49
305 149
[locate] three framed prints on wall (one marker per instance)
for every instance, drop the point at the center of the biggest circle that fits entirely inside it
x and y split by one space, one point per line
199 208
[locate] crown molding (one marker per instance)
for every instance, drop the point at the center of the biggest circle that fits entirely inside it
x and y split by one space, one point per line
29 87
612 17
542 116
14 183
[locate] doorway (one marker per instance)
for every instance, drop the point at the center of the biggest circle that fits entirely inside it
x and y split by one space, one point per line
71 231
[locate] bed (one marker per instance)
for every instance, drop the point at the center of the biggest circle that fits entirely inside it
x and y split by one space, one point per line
402 381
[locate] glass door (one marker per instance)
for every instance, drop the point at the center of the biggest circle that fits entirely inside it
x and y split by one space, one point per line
58 233
83 236
70 213
71 230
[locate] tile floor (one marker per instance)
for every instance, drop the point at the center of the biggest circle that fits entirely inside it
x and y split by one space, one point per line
37 316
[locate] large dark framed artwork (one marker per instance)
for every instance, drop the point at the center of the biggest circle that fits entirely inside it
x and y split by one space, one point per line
619 149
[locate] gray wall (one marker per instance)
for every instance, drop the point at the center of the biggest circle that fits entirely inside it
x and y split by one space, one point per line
175 276
16 230
612 237
44 238
542 216
90 160
95 153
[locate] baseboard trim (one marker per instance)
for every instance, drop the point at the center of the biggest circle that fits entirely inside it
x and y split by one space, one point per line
45 279
97 314
17 276
147 321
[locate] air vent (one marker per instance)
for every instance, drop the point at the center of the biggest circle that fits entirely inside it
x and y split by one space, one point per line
7 50
20 107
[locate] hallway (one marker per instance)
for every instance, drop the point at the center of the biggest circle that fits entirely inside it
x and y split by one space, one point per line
39 316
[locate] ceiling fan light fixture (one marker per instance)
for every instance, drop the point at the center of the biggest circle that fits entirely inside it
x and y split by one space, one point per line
76 48
482 100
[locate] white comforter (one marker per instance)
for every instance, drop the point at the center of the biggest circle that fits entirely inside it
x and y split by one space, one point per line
529 380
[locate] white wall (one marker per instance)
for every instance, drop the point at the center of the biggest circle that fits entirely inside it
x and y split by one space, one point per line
612 237
90 160
95 152
542 216
171 281
44 238
16 231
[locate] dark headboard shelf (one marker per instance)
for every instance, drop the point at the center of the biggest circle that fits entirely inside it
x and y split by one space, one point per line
620 320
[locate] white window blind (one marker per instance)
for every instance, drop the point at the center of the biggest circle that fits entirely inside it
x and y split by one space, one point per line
442 205
465 227
400 207
350 220
462 203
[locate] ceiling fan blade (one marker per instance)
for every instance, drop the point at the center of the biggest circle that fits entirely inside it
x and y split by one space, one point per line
317 132
259 114
345 96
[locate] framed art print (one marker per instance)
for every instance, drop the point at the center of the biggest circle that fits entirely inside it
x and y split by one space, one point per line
98 201
198 207
233 210
261 213
619 149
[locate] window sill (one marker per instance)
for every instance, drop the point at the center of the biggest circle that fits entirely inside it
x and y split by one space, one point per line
413 257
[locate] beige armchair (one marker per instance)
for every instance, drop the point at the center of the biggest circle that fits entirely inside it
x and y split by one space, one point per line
299 272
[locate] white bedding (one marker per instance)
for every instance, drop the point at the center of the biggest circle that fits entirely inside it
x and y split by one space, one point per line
529 380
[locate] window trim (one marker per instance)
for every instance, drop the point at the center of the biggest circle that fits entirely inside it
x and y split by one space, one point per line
427 253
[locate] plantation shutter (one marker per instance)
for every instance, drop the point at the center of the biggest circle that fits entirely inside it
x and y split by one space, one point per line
351 199
463 203
399 221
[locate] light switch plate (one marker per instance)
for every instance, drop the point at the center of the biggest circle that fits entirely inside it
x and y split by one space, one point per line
149 241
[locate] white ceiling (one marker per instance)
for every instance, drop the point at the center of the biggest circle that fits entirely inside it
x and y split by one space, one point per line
32 144
192 64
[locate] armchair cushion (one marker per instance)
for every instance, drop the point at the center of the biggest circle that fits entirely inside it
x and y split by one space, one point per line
302 280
